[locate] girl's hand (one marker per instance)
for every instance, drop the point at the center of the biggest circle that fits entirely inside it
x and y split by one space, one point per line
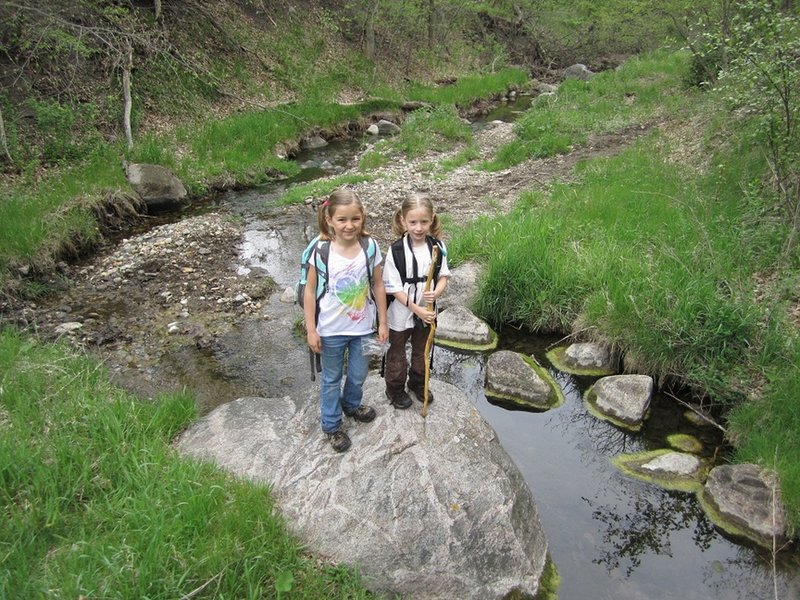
383 333
314 341
425 315
429 296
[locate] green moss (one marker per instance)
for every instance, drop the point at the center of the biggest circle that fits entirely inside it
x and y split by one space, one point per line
685 443
467 347
549 582
631 464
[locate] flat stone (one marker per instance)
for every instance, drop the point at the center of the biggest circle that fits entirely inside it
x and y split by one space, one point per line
428 508
624 399
458 327
746 500
513 377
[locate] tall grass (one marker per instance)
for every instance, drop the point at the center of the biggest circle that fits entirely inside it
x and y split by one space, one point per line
97 504
634 251
640 91
469 88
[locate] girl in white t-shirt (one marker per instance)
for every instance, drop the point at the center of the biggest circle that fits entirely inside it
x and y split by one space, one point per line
344 318
409 319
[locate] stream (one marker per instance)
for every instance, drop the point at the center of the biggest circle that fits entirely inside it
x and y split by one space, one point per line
610 537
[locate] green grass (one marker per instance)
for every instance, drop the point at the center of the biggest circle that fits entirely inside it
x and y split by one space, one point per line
469 88
96 503
316 189
640 91
41 219
636 251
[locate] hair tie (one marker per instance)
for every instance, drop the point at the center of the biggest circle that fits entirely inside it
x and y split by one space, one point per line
325 203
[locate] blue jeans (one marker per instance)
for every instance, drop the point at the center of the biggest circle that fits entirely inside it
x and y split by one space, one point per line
332 397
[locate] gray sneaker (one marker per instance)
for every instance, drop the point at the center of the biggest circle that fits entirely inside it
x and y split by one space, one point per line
339 440
400 400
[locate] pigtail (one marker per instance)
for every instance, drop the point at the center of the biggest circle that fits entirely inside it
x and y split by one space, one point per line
397 223
322 219
436 227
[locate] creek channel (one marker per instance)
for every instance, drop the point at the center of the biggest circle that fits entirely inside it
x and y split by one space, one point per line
610 537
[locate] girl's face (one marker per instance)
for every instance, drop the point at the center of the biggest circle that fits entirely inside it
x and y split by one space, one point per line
346 222
418 224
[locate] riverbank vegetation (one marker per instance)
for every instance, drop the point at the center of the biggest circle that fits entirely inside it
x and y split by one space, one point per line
96 503
680 252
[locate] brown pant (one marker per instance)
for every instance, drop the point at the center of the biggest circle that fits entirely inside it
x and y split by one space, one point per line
396 366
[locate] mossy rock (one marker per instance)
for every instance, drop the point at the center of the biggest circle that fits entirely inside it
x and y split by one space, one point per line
633 465
502 391
590 402
556 356
685 443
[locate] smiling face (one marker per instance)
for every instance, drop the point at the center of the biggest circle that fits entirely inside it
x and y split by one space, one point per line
417 223
346 222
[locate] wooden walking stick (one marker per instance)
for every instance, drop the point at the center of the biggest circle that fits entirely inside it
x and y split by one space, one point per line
431 333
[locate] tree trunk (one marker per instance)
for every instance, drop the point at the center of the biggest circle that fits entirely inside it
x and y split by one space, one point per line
369 30
3 140
126 90
431 22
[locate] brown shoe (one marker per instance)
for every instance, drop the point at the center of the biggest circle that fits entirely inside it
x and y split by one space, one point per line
363 414
400 400
419 395
339 440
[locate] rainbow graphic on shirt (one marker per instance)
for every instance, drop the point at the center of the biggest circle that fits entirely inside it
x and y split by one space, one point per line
352 292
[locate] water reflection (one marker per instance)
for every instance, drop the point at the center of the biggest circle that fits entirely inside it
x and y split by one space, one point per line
611 536
646 526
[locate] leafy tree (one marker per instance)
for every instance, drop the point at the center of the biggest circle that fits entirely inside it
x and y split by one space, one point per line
761 78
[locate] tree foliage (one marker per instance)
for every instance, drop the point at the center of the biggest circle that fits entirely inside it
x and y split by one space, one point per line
751 54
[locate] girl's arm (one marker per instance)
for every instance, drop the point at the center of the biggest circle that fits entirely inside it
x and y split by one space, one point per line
310 310
379 293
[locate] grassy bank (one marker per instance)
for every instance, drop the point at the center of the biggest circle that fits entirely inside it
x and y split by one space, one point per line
44 219
97 504
668 252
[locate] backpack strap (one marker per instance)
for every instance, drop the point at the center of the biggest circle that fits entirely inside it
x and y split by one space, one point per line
399 255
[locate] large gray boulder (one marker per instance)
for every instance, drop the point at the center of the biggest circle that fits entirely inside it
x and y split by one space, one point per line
428 508
160 189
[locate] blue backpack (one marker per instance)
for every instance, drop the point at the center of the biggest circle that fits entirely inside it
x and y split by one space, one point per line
323 248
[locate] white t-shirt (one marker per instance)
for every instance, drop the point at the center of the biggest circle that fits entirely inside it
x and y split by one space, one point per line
401 318
347 307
